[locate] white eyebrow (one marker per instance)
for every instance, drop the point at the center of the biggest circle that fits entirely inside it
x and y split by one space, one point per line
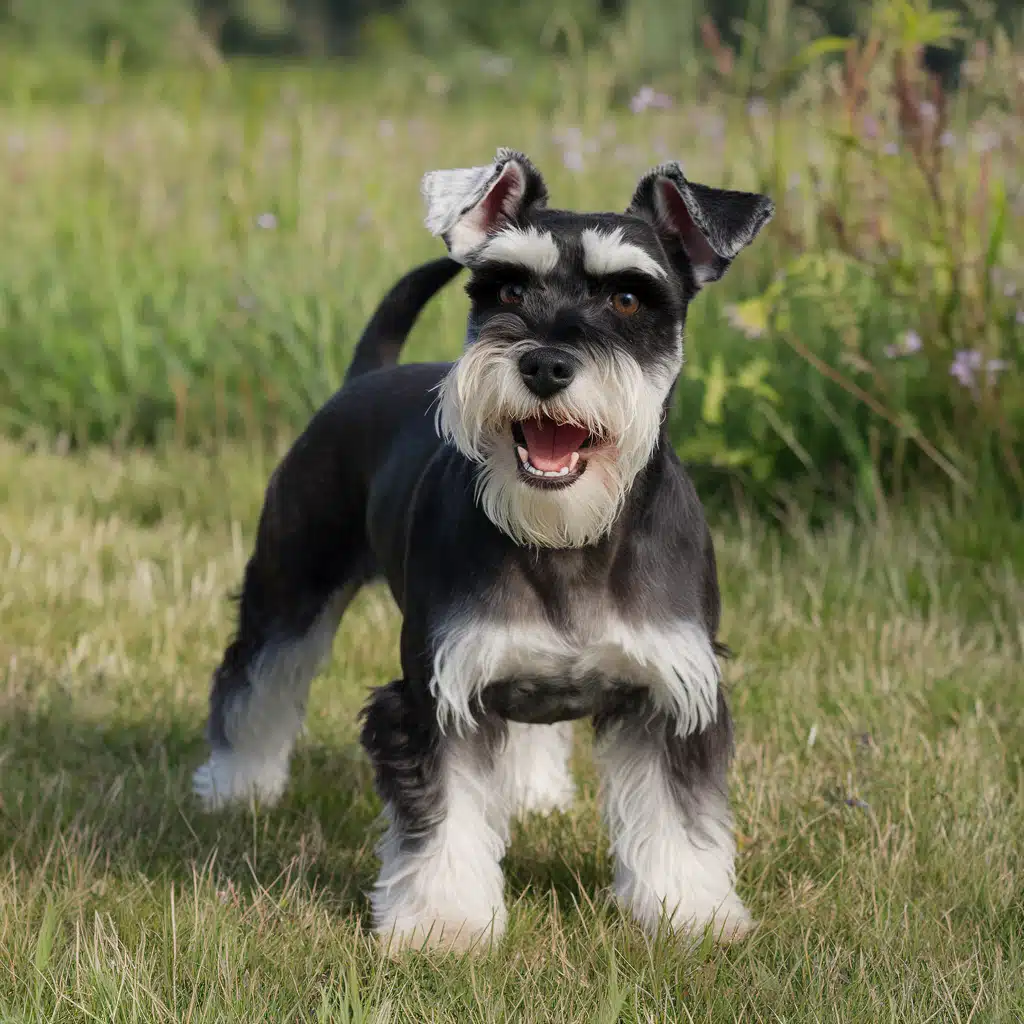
607 252
525 247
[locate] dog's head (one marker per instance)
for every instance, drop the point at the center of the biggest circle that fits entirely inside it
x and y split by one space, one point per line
575 335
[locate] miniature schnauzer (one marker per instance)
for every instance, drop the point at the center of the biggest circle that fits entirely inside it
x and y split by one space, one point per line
548 553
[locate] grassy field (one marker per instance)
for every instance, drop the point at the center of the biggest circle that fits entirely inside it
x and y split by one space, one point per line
186 260
878 784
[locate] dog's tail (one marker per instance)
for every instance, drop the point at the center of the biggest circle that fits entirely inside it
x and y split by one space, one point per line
382 340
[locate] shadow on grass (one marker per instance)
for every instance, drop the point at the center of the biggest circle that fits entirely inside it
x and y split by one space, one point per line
85 800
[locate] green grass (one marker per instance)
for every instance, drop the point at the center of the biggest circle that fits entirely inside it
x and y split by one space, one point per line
877 784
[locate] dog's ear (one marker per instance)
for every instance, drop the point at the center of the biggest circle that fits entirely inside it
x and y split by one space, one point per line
467 205
709 225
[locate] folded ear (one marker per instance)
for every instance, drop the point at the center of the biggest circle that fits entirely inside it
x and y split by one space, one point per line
709 225
467 205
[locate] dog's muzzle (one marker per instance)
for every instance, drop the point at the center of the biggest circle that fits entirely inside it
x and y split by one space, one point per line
549 451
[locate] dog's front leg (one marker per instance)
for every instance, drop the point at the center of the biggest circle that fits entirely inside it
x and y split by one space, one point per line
667 809
440 882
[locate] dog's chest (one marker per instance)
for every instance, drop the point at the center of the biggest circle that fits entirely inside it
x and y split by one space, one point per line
532 671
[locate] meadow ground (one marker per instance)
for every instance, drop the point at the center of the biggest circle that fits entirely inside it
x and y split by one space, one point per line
877 784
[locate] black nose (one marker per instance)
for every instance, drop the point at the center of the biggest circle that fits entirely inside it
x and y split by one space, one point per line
546 371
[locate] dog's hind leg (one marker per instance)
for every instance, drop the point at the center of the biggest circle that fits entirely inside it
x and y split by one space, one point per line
667 810
258 701
534 768
309 561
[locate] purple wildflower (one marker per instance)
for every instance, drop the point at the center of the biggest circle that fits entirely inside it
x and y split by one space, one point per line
642 100
572 159
715 127
890 149
928 111
965 365
994 367
757 107
906 346
662 101
646 97
870 126
947 139
266 221
1020 317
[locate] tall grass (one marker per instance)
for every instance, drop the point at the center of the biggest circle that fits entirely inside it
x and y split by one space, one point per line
192 257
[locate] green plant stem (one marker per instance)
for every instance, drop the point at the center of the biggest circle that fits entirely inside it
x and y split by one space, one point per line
876 407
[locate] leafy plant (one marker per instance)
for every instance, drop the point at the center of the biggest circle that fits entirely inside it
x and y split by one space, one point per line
914 218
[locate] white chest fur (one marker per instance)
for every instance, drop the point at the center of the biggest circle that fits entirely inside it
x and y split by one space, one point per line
674 661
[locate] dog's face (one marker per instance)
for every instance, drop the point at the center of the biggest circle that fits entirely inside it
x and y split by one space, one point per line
575 335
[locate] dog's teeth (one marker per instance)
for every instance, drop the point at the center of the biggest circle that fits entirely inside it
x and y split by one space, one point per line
524 455
550 472
573 461
564 471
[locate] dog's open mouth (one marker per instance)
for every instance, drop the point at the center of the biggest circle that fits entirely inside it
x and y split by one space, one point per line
549 453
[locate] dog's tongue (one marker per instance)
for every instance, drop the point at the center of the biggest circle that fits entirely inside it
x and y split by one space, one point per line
551 444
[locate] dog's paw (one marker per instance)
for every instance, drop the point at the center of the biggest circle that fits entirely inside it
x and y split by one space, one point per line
447 937
228 778
728 922
731 924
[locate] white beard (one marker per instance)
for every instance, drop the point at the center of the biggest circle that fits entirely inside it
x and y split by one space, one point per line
611 396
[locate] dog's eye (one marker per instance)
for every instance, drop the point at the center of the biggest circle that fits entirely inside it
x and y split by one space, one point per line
511 294
625 303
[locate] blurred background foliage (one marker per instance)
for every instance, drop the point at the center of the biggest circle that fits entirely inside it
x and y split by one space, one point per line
200 205
146 32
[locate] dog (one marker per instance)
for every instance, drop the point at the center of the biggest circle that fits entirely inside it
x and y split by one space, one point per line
548 553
